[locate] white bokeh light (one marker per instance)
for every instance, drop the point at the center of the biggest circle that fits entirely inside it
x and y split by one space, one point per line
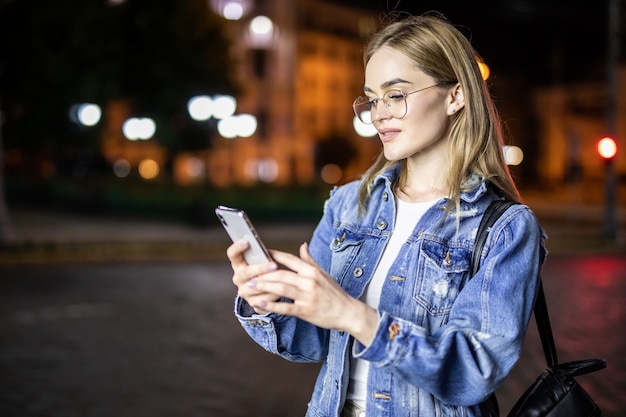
233 10
200 108
262 26
246 125
227 127
513 155
139 128
89 114
224 106
362 129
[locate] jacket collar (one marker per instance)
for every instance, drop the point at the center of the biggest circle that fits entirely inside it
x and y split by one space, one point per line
475 184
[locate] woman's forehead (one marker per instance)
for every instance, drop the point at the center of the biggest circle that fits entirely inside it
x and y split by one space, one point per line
389 66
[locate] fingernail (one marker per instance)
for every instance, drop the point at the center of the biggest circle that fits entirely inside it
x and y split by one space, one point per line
243 242
271 266
252 283
262 304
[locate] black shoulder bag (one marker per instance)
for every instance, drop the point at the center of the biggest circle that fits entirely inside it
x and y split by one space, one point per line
555 393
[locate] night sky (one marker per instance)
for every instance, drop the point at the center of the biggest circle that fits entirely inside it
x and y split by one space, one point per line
546 41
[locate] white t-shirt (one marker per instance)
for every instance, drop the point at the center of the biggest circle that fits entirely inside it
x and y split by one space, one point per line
407 216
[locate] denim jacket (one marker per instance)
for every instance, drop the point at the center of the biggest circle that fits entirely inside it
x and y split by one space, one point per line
443 342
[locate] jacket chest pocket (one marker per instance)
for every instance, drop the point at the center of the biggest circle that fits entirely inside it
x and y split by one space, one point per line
345 247
441 272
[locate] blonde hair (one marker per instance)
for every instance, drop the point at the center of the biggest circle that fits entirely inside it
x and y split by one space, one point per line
475 136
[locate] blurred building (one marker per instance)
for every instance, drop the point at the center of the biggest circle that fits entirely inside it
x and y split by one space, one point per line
299 66
299 79
572 119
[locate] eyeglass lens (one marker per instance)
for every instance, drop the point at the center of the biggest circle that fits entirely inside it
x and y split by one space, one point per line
394 101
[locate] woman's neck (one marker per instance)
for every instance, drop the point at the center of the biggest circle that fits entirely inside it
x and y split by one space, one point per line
422 182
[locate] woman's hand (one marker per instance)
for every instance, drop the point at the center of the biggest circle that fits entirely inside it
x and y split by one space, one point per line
317 297
244 273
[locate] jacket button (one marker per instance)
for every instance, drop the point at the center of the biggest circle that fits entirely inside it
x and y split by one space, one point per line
385 196
381 225
394 330
357 272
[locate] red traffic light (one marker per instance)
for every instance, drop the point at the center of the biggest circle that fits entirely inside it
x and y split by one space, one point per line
607 148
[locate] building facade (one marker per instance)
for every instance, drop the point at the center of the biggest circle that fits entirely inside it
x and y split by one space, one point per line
300 83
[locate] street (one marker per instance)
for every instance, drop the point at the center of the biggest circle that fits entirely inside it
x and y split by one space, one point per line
159 339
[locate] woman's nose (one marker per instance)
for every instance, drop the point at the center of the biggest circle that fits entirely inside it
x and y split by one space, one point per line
381 112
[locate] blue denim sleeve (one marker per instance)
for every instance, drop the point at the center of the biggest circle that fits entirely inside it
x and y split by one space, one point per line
289 337
467 358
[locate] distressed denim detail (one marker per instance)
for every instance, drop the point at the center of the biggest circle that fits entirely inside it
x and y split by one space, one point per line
443 342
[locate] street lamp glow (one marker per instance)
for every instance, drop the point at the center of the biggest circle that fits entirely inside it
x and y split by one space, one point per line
139 128
513 155
247 125
224 106
149 169
200 108
89 114
233 10
227 127
262 26
607 148
363 129
484 70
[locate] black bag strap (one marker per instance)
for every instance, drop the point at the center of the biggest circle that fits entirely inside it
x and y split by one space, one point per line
495 209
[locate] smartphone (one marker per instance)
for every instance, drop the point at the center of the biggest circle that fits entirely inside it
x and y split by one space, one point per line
238 226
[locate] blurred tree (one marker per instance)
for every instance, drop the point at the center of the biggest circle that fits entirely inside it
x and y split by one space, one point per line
6 228
155 53
334 149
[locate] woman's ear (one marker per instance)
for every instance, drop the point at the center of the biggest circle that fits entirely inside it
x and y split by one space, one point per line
456 99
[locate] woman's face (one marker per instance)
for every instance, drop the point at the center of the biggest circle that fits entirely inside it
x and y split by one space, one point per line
422 132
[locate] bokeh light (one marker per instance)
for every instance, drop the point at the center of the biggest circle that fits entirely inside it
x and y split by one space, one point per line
139 128
261 26
194 167
331 173
246 125
89 114
121 168
233 10
513 155
262 169
200 108
224 106
149 169
362 129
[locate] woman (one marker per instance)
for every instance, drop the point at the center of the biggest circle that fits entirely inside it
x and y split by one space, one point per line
382 294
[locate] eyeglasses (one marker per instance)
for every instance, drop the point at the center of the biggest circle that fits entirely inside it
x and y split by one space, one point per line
394 100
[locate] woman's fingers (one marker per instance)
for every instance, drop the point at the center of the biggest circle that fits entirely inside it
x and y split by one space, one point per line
235 252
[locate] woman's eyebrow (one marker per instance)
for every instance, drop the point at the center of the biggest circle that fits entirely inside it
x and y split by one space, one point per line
387 84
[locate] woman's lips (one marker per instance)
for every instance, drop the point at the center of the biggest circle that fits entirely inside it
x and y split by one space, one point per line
387 135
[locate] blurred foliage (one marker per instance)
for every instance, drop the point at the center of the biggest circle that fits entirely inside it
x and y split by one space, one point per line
334 149
155 53
162 199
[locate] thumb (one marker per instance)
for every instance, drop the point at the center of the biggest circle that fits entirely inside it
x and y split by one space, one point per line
305 255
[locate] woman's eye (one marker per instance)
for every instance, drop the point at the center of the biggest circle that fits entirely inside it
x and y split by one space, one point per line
395 96
372 102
